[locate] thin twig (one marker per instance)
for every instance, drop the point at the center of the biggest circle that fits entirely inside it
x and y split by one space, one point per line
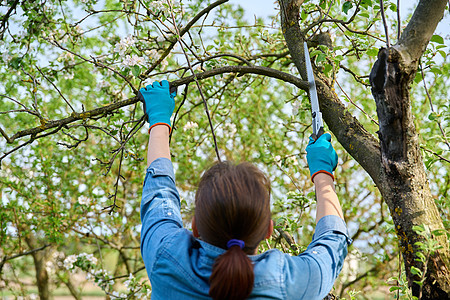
320 23
56 88
385 24
95 62
216 148
8 139
35 106
399 23
182 32
178 110
431 104
78 141
31 140
435 154
15 101
351 101
114 205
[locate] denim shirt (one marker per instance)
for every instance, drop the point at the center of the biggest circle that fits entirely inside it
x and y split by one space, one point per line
179 265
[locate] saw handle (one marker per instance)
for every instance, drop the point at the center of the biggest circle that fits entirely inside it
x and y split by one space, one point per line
172 88
319 133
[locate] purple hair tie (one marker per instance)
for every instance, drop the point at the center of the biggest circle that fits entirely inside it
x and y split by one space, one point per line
234 242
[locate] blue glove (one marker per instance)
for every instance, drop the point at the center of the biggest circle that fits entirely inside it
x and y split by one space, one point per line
159 103
321 156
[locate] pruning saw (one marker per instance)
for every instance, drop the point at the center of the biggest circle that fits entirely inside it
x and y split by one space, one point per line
317 122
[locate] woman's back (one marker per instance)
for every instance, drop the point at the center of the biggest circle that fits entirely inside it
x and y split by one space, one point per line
179 265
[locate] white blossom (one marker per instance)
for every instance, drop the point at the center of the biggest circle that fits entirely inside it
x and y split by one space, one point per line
69 76
89 257
119 94
164 64
83 200
190 125
295 107
6 57
79 30
151 53
69 261
124 44
158 6
293 160
231 128
49 266
104 84
134 60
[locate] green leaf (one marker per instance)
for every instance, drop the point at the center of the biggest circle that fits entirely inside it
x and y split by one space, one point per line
416 271
315 52
393 7
418 77
432 116
443 53
320 57
365 15
394 288
303 14
372 52
418 229
15 63
437 39
418 282
136 70
421 256
209 47
327 69
366 3
347 6
436 70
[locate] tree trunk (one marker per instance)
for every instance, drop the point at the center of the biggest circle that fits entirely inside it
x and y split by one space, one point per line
39 258
394 162
404 185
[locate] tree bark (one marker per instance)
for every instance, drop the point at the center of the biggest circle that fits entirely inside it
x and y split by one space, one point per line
394 161
39 258
404 185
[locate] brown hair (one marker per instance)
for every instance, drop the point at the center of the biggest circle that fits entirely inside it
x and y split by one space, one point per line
233 202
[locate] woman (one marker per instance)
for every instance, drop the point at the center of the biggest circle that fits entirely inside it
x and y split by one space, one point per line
232 216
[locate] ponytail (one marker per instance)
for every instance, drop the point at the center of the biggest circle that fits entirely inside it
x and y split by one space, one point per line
232 276
232 211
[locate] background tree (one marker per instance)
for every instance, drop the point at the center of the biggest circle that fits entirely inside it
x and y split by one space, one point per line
74 139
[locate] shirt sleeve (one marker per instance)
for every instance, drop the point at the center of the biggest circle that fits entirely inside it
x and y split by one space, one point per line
160 208
314 271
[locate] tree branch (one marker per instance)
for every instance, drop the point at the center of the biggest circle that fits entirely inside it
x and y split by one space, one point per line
417 34
117 105
6 258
